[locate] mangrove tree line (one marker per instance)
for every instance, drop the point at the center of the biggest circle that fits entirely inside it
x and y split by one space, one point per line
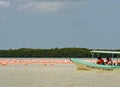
50 53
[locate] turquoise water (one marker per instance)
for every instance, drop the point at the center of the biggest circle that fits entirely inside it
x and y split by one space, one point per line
36 75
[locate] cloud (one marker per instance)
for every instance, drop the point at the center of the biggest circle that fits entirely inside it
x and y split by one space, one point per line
49 6
41 6
4 4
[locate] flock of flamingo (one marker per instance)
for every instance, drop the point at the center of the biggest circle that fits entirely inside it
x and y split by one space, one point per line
5 62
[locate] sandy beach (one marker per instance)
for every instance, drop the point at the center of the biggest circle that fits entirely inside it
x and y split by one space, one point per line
57 75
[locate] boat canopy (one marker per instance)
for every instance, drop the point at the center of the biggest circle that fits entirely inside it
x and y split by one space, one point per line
108 52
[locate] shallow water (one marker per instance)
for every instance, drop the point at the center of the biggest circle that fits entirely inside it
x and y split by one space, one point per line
64 75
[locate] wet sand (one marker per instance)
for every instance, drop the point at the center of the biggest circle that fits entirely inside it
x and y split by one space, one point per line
58 75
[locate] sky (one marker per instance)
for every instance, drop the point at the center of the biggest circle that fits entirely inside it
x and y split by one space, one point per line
93 24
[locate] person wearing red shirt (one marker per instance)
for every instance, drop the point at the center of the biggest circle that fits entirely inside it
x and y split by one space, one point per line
100 61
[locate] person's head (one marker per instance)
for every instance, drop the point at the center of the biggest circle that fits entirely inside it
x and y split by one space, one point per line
99 58
107 58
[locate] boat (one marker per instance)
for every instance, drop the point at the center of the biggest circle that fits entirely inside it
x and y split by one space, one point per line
89 65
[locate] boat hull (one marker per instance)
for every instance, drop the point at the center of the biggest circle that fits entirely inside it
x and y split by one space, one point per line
84 65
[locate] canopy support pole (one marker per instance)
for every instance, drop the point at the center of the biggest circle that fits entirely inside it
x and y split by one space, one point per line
92 56
112 55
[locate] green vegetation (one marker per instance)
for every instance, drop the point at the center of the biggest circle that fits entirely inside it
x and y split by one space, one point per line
51 53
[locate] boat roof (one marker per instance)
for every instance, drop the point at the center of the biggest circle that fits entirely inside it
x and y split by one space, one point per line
108 52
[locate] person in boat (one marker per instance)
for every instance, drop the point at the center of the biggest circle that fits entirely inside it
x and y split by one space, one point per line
100 61
109 61
118 63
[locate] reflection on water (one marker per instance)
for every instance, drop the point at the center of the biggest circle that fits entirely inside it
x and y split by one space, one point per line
56 76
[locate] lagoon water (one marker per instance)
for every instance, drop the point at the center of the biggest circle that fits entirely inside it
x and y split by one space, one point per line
63 75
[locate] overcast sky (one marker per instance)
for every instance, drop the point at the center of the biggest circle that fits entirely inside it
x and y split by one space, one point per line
59 23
